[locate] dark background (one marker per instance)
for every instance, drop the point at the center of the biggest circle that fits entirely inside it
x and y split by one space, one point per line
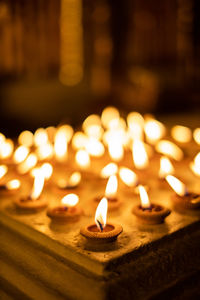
61 60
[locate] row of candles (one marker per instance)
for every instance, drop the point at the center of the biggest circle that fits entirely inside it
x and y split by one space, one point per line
103 138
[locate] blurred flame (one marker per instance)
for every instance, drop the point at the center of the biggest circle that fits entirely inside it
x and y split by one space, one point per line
40 137
92 126
108 170
3 170
74 179
196 135
60 144
70 200
109 114
28 164
26 138
111 187
176 185
45 151
140 157
128 176
6 148
136 124
115 148
195 165
101 214
170 149
46 169
79 140
181 134
144 198
37 186
154 131
94 147
20 154
82 159
13 184
166 167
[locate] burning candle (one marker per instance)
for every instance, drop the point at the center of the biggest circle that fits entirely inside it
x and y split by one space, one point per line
68 211
101 232
182 199
166 167
71 183
147 212
34 201
10 187
140 157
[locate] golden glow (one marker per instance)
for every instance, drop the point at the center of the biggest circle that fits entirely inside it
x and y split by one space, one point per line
115 149
6 148
79 140
13 184
179 187
82 159
37 186
45 151
26 138
181 134
140 157
101 214
128 176
196 135
3 170
46 169
92 126
108 170
136 124
51 131
170 149
144 198
111 187
40 137
28 164
2 137
94 147
154 131
109 114
166 167
20 154
70 200
61 144
195 165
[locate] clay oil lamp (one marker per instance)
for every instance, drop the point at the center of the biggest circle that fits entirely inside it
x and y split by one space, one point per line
35 201
67 212
100 232
68 184
111 194
129 178
182 199
149 213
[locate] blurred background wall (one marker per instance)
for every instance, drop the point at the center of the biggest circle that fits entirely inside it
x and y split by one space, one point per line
63 59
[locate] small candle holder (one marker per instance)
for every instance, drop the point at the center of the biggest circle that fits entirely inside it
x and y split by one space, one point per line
190 201
28 204
155 214
64 214
109 233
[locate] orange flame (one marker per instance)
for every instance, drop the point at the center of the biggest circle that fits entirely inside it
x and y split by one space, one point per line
3 170
195 165
128 176
101 214
82 159
170 149
111 187
37 186
108 170
28 164
13 184
20 154
140 156
181 134
166 167
179 187
154 130
145 203
70 200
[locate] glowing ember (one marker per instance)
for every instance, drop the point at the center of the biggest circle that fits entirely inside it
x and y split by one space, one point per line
154 131
94 147
70 200
139 153
82 159
3 170
37 186
111 187
28 164
13 184
181 134
145 203
196 135
109 170
26 138
101 214
195 165
179 187
166 167
128 177
20 154
170 149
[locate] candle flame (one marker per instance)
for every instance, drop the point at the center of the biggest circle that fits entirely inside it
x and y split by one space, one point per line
196 135
128 176
26 138
179 187
195 165
94 147
136 124
115 148
181 134
92 126
28 164
40 137
60 144
6 148
101 214
70 200
46 169
45 151
109 114
154 131
111 187
13 184
145 203
3 170
82 159
79 140
170 149
166 167
37 185
74 179
108 170
20 154
140 157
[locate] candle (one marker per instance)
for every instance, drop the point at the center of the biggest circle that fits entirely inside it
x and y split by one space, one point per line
68 211
182 199
71 183
147 212
101 232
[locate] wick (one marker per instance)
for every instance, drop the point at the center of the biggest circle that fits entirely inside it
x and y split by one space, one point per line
100 225
147 208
